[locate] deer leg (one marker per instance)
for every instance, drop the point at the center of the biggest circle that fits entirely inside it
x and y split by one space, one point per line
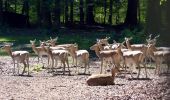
76 65
68 65
14 67
28 65
101 66
145 70
138 69
18 67
64 65
25 65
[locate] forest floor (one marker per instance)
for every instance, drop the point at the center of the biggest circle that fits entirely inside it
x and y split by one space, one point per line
42 85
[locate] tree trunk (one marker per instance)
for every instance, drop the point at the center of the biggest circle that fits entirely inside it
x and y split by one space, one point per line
1 14
66 11
131 15
39 13
71 11
81 12
139 18
25 10
153 17
15 6
110 12
105 11
57 14
46 14
6 5
89 12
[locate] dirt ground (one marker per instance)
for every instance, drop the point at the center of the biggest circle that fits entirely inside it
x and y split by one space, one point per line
42 85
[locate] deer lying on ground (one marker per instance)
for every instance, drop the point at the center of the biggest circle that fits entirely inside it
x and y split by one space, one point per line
82 55
39 51
103 79
18 57
159 56
56 55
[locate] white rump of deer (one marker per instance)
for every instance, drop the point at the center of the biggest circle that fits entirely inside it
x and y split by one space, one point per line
18 57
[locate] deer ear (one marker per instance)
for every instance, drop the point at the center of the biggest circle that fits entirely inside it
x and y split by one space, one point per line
107 38
114 42
97 40
130 38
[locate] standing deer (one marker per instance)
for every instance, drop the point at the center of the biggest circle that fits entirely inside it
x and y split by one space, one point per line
18 57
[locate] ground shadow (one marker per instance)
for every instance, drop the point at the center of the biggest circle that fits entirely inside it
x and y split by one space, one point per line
130 79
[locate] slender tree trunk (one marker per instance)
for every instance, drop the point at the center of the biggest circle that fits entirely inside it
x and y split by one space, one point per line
131 15
110 12
46 13
66 11
89 12
139 14
6 5
153 20
15 6
1 14
81 12
25 10
39 13
105 8
71 11
57 13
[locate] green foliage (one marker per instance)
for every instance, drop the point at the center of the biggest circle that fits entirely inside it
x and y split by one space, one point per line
138 35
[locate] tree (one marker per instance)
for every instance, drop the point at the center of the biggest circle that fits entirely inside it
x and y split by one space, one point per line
105 8
81 12
131 15
153 16
89 12
1 9
66 11
57 14
71 10
39 13
46 13
110 12
25 10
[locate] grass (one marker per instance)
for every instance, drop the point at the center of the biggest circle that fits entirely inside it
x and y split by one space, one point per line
83 38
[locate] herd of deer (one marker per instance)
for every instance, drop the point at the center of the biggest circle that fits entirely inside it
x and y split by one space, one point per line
116 55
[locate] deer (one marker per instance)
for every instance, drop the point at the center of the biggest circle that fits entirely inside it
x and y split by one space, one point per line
52 42
103 79
134 58
56 55
159 56
105 54
39 51
82 55
18 57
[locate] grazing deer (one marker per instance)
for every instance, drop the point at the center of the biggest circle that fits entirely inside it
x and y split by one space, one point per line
103 79
82 55
18 57
39 51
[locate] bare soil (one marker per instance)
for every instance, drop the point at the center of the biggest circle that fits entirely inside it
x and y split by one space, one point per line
42 85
